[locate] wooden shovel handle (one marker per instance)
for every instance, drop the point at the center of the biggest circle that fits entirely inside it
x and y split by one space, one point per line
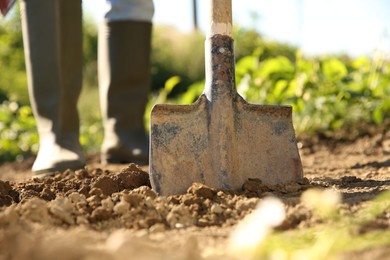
221 17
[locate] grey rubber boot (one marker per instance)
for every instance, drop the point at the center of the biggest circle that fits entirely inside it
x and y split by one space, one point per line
52 33
124 83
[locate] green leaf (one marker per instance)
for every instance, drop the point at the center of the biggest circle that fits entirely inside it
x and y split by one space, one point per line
171 83
378 115
246 65
334 69
192 94
361 63
277 68
278 92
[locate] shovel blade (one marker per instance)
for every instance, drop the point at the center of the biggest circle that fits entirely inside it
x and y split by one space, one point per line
178 146
187 148
267 147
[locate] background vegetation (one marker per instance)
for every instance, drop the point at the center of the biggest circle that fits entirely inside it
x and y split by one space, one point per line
327 93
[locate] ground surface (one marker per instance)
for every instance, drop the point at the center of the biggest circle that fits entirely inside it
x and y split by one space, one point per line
109 212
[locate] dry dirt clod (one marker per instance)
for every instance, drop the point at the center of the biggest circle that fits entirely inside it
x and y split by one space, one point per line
350 179
35 210
106 184
201 190
216 209
146 191
246 204
94 201
63 209
180 217
96 191
47 194
107 204
292 187
100 213
122 207
133 177
157 228
82 174
5 200
133 199
5 187
76 197
9 216
254 185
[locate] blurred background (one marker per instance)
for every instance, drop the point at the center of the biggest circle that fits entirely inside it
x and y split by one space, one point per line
328 59
353 27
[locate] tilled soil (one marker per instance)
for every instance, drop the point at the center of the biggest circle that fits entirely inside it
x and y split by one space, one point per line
110 212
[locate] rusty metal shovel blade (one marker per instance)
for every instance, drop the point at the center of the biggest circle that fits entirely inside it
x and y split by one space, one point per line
221 140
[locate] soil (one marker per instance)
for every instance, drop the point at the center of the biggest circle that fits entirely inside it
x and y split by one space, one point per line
110 211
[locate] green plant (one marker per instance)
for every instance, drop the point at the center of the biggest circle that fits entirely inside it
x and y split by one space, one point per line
335 232
326 93
13 79
338 233
18 137
160 97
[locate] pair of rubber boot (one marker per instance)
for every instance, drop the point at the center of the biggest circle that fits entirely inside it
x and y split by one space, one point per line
52 32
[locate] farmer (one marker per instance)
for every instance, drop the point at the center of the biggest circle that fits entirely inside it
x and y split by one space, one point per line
52 32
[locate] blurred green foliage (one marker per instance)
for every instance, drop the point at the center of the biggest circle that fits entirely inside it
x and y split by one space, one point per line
90 46
13 79
332 236
327 93
18 137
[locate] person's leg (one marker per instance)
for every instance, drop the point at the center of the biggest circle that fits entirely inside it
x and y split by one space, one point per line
124 79
52 33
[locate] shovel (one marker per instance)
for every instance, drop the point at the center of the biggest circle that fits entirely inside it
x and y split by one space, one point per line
221 140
